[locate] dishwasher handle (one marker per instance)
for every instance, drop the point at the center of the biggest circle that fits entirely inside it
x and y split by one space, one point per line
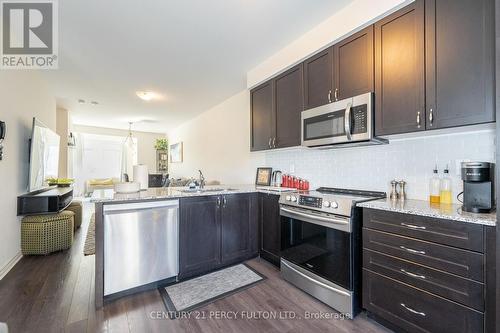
111 208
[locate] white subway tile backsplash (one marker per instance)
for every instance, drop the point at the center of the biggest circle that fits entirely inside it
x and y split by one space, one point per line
372 168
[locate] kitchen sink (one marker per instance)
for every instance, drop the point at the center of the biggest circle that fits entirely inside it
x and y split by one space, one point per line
207 190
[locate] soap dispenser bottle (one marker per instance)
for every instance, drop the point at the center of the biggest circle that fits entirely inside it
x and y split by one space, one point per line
434 187
445 190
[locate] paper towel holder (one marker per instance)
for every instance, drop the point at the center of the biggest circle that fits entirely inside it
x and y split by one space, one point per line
141 175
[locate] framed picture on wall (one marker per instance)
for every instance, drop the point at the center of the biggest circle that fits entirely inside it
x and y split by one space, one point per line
263 177
176 152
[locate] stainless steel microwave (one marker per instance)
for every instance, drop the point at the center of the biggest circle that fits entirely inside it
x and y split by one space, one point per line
349 122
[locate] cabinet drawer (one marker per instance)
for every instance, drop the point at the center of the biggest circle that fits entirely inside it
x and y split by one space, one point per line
443 284
414 310
445 258
457 234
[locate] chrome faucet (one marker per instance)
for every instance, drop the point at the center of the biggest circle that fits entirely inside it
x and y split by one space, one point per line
202 180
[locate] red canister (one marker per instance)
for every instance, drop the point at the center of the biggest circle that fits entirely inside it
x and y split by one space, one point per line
284 182
306 185
296 183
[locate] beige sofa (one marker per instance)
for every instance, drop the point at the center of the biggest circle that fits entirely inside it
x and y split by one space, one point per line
99 184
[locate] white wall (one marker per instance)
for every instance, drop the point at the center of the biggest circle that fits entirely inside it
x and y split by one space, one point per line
23 95
146 153
372 168
218 143
354 16
62 128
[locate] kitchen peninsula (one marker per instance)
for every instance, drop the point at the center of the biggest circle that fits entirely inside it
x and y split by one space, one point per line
172 234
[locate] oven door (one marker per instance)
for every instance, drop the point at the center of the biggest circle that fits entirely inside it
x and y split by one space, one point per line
317 245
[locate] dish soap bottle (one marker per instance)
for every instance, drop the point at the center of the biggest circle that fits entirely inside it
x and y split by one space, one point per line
434 187
445 191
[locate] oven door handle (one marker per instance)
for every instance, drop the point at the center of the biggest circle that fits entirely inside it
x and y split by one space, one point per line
338 291
316 217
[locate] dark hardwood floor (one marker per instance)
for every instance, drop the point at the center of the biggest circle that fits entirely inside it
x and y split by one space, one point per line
55 293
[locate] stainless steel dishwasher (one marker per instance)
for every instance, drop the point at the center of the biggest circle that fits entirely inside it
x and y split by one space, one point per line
141 243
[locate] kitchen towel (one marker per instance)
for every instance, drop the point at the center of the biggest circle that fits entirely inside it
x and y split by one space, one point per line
141 175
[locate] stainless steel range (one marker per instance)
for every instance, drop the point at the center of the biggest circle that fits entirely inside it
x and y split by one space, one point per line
320 244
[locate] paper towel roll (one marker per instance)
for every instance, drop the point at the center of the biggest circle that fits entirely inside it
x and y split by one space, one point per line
141 175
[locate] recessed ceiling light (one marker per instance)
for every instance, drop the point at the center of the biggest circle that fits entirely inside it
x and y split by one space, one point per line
145 95
94 103
81 101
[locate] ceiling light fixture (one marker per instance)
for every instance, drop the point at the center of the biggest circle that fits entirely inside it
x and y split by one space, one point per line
145 95
81 101
94 103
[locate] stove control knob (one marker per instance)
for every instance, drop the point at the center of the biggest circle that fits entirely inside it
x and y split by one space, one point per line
334 205
326 204
288 198
294 198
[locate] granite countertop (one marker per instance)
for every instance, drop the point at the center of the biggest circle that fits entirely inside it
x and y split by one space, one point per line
424 208
102 196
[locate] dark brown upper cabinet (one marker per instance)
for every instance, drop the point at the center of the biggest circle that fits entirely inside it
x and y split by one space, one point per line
289 104
460 66
275 111
262 116
399 71
318 79
353 65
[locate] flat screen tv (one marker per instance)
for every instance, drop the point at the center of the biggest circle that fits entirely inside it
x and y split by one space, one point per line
44 156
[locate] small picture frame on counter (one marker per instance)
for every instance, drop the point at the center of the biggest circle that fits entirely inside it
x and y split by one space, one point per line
263 177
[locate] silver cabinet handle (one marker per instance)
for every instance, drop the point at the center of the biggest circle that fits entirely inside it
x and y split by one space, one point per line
418 119
411 226
412 274
336 94
329 96
218 202
274 142
347 121
224 202
431 116
411 250
269 143
413 311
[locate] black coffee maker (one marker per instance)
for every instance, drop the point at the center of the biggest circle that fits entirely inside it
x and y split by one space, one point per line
479 187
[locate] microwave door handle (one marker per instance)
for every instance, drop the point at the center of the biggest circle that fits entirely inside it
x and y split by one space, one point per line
347 121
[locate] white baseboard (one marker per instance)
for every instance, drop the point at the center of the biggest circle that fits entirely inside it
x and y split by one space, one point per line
5 269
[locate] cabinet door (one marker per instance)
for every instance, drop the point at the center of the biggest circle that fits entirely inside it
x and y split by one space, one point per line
289 105
318 79
262 116
460 67
270 228
353 65
238 228
199 235
399 71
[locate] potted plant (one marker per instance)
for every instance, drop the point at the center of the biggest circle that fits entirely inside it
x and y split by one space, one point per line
161 144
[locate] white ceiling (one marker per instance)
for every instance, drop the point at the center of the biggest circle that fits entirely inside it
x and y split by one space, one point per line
195 53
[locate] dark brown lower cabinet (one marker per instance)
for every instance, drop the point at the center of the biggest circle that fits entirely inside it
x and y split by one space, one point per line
239 227
409 309
270 227
215 231
415 279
